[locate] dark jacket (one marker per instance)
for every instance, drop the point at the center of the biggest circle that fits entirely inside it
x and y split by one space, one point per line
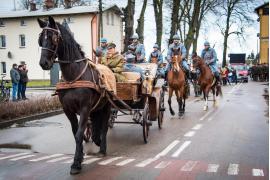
23 76
14 75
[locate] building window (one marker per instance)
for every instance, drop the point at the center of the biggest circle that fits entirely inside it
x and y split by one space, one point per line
108 18
22 62
112 15
23 22
2 23
70 20
22 40
3 67
2 41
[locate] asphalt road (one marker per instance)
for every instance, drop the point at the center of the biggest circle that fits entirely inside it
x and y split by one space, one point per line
229 141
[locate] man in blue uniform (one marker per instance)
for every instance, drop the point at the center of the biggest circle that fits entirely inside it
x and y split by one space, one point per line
139 49
156 57
177 48
209 55
101 51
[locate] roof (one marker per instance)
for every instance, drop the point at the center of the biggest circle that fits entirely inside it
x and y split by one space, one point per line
57 11
261 6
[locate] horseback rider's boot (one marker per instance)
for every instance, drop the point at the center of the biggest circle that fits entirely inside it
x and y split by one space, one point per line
166 79
218 79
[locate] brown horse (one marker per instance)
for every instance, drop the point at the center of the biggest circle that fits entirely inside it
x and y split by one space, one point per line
176 81
206 80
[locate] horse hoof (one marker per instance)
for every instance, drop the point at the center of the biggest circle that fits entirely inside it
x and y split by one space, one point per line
74 171
180 114
172 113
205 108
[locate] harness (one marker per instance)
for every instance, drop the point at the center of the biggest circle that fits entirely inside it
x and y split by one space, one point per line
76 83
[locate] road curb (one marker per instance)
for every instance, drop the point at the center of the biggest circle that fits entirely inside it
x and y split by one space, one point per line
5 124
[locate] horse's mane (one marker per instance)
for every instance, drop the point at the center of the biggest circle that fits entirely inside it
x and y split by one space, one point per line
69 44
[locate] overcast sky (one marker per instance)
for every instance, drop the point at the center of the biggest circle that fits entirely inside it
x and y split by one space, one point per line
209 31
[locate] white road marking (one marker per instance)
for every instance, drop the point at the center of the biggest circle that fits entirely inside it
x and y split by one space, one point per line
122 163
12 156
146 162
212 168
46 157
168 148
233 169
204 116
189 134
189 166
210 119
108 161
59 159
68 161
257 172
182 147
22 157
197 127
89 161
163 164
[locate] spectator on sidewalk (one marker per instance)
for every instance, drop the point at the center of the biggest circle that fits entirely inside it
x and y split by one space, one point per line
15 78
19 93
24 80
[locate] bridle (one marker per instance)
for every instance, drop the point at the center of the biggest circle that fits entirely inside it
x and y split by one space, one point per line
55 39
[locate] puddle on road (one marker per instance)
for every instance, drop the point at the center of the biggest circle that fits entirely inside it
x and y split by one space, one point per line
38 124
266 98
15 146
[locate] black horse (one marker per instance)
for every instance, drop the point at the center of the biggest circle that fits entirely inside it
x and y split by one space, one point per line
56 41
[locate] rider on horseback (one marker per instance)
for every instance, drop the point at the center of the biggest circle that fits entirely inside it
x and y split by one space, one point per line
156 57
177 48
209 55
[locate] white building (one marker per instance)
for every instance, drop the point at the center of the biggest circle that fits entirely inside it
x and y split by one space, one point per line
19 32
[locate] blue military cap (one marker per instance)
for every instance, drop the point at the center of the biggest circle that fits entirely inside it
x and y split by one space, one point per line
206 43
176 37
103 40
155 46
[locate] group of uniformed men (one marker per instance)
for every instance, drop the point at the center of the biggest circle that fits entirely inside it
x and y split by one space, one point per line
136 54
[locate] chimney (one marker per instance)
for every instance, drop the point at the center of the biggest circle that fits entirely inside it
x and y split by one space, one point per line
32 5
48 4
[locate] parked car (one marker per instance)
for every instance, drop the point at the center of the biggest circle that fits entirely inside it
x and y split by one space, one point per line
242 72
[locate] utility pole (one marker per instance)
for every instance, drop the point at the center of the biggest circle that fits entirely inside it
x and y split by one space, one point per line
14 3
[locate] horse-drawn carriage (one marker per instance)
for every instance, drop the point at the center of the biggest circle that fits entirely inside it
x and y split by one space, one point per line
144 100
138 97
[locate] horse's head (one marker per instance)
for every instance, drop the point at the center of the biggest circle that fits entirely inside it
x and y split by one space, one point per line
48 40
147 82
196 60
176 60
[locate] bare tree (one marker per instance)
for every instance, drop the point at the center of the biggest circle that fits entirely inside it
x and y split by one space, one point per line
140 27
25 4
193 24
100 19
236 14
158 17
174 18
129 11
207 6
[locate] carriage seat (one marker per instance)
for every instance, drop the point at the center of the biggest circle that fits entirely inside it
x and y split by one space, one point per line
152 67
132 76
